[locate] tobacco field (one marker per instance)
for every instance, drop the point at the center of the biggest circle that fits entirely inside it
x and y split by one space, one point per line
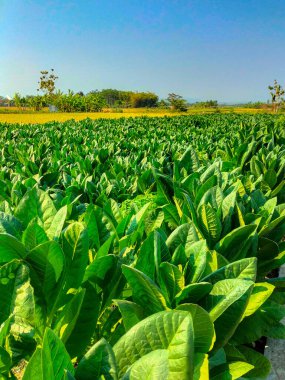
141 248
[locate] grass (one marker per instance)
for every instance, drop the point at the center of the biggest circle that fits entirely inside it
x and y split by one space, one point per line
44 117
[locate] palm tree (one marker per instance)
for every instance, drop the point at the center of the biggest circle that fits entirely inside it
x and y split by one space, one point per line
18 100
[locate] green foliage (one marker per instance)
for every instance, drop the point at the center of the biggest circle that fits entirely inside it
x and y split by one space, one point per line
141 248
118 98
206 104
177 103
144 99
70 102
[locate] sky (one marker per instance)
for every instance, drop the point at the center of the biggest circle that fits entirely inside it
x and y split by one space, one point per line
228 50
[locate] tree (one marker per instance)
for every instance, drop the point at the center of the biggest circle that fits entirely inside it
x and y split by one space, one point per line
277 93
163 103
111 96
94 102
144 99
47 82
35 102
71 102
116 98
177 103
18 100
206 104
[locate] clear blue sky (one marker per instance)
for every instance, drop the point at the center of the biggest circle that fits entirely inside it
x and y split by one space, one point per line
228 50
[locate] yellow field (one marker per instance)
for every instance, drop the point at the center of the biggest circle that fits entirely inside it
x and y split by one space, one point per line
40 118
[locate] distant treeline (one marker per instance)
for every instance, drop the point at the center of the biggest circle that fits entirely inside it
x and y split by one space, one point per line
96 101
126 99
79 102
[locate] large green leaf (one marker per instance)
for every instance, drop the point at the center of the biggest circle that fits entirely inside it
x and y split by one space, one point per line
260 293
105 248
99 269
208 184
75 248
183 234
151 253
193 292
144 291
261 364
277 258
55 358
49 362
16 294
171 280
226 304
270 177
179 257
243 269
189 160
261 323
231 371
85 323
92 227
201 370
267 211
198 263
5 362
137 221
268 230
57 223
11 248
98 361
228 204
153 220
47 262
10 225
153 365
203 326
131 313
267 250
169 330
210 223
34 368
22 303
171 215
36 203
34 235
67 317
17 310
4 330
235 244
